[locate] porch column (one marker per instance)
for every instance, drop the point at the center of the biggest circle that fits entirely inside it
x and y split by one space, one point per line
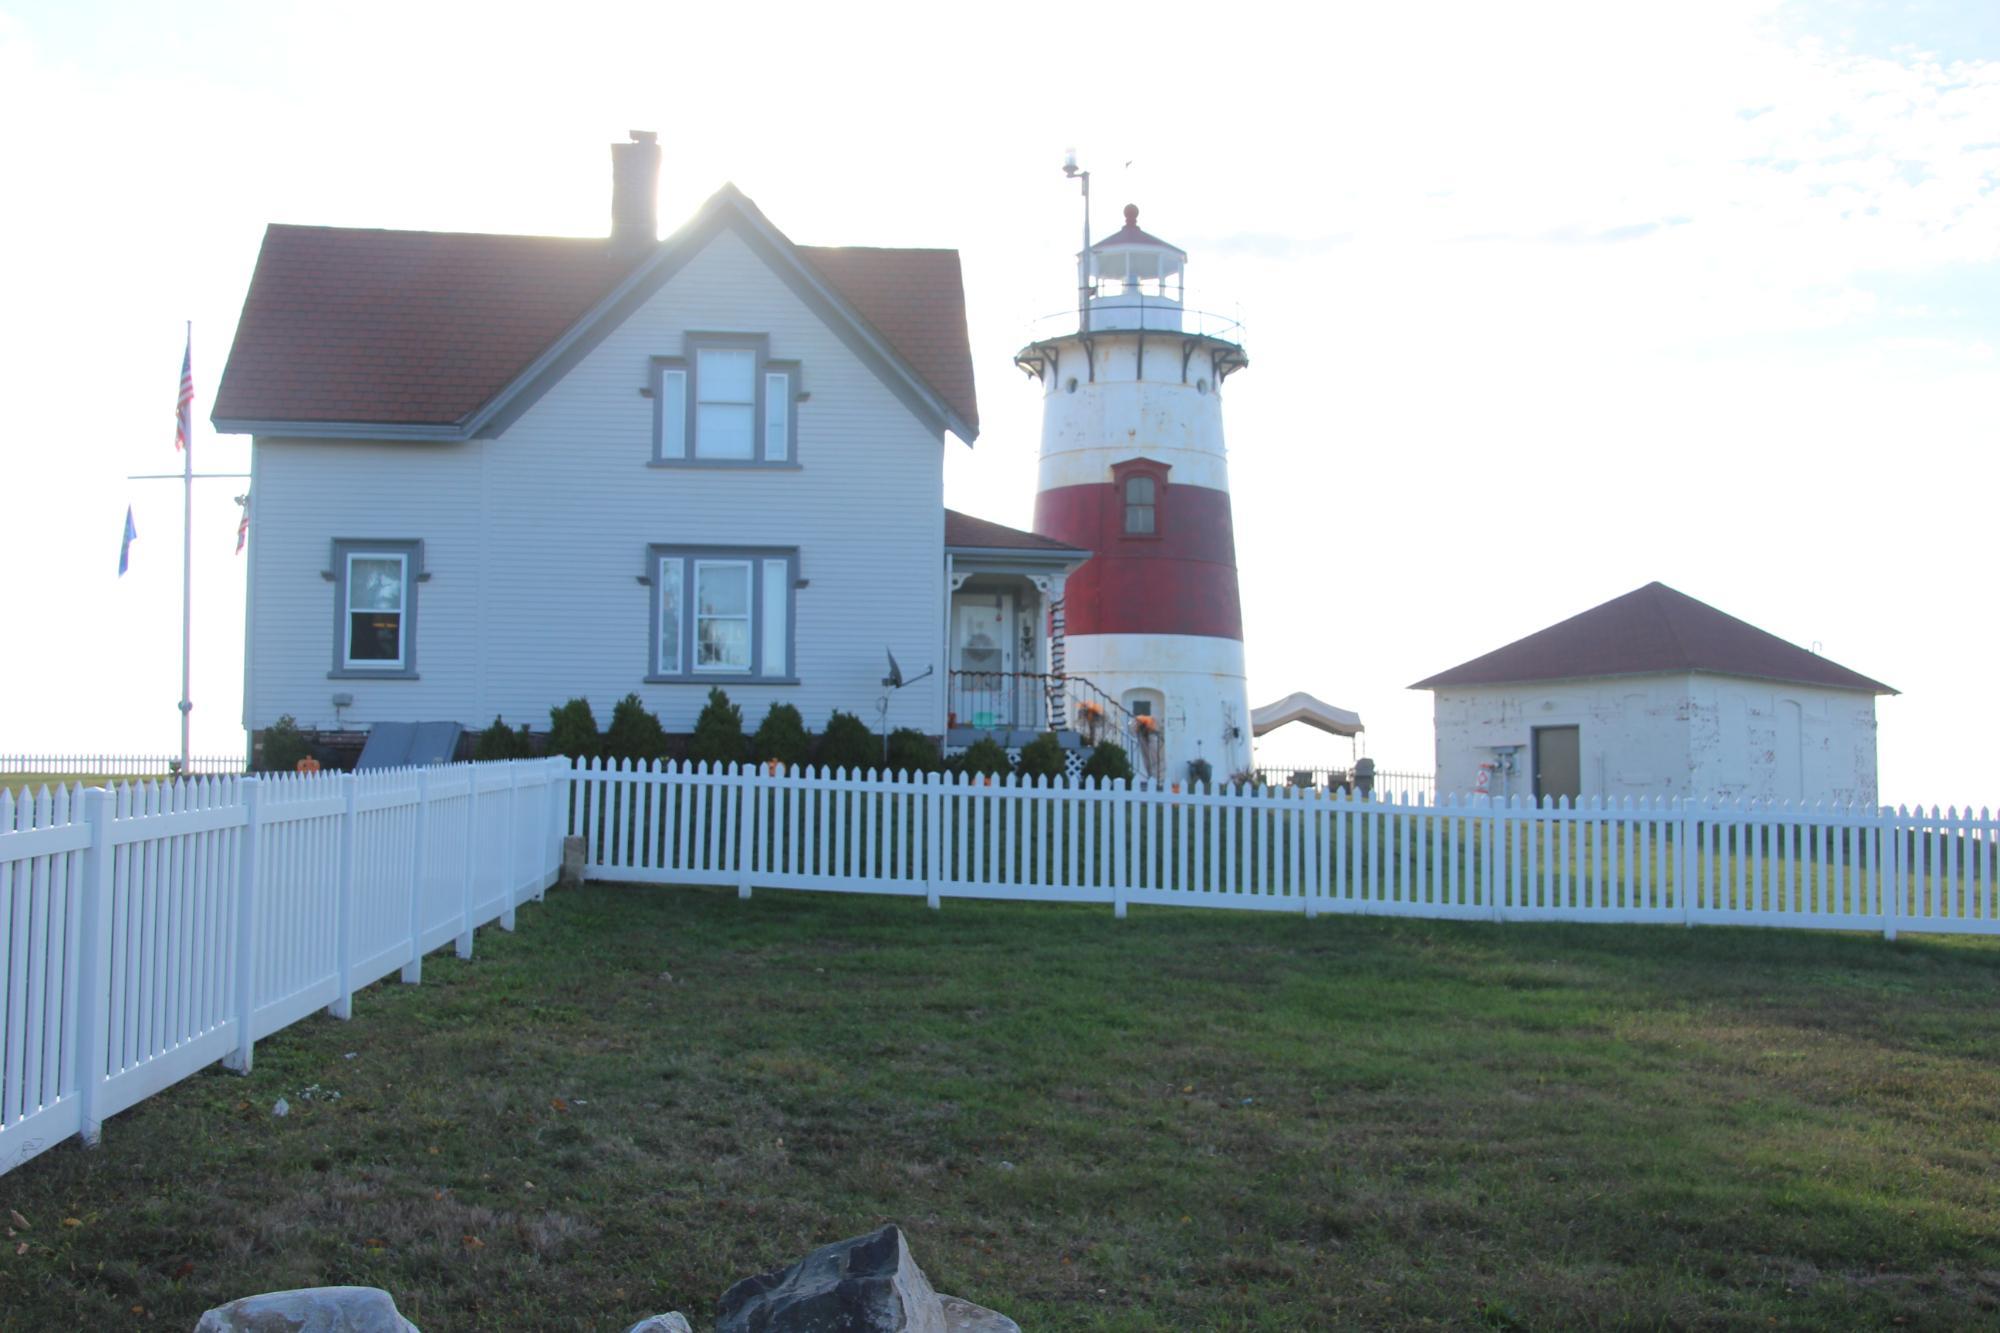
1051 588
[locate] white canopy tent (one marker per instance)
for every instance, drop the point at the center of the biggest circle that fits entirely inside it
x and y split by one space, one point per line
1302 707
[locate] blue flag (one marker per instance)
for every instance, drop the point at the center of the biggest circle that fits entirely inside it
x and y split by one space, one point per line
125 547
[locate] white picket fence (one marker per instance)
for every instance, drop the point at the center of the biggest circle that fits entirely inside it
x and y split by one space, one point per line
148 930
1280 849
117 765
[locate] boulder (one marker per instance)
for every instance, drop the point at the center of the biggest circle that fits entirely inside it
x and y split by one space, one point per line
867 1284
673 1322
965 1317
309 1310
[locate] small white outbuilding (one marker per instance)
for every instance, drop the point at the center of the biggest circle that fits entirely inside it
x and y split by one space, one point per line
1656 694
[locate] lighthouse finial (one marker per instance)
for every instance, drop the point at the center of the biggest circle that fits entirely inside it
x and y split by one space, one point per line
1131 215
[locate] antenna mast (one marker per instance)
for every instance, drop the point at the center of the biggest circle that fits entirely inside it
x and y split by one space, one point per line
1071 170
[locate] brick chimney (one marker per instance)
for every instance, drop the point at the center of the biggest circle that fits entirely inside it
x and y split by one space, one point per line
635 190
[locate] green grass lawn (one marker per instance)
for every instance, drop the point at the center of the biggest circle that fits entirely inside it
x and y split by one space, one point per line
1186 1120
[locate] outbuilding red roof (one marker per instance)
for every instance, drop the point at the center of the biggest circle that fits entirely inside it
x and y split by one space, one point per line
968 533
1651 631
420 328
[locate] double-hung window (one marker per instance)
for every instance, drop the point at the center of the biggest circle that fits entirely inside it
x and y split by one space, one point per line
725 402
722 613
375 607
1140 513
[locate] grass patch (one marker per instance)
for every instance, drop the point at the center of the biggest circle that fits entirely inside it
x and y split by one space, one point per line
1187 1120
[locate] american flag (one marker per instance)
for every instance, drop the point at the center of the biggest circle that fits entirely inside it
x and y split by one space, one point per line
184 412
243 524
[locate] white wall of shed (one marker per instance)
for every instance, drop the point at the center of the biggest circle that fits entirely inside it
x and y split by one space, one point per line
1713 737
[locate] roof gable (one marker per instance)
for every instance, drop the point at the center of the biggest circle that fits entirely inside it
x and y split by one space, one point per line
1650 631
447 335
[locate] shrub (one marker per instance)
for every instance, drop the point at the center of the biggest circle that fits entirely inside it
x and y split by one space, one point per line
1108 761
1043 758
501 741
573 731
910 751
718 732
848 743
635 732
781 736
985 757
283 747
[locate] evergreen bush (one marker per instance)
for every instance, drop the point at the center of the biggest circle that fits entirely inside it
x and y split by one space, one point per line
635 732
501 741
573 731
910 751
1043 758
1108 761
718 732
781 736
283 746
985 757
848 743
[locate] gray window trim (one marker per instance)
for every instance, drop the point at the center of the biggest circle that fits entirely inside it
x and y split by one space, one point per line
687 555
686 361
412 551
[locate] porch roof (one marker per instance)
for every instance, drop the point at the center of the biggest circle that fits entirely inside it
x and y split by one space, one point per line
966 535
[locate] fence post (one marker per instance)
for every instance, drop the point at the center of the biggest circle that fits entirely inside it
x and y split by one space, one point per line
933 798
1495 835
246 926
1683 890
746 815
94 957
561 792
468 884
343 946
413 971
1892 913
510 877
1115 806
1309 872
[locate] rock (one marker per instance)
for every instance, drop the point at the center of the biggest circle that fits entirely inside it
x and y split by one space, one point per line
868 1284
673 1322
572 863
309 1310
965 1317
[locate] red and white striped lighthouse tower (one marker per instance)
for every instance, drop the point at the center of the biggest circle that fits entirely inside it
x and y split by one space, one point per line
1133 469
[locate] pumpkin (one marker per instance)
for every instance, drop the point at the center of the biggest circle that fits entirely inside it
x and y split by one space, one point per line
308 765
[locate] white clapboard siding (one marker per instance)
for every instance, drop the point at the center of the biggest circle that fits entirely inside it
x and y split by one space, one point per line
1284 849
532 593
149 930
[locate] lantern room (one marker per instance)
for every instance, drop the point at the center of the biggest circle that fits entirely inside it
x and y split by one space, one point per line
1134 280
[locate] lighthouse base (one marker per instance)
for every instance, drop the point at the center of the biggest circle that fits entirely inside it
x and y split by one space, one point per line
1192 683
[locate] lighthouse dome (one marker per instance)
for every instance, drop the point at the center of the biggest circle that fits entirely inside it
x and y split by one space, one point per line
1135 279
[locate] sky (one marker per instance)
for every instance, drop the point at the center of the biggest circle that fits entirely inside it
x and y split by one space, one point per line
1542 301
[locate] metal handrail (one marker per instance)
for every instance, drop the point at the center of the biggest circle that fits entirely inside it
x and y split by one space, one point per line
1119 723
1155 316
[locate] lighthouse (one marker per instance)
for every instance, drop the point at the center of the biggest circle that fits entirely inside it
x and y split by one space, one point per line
1133 469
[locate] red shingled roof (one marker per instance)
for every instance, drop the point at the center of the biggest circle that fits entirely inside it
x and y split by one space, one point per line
1646 632
963 530
423 328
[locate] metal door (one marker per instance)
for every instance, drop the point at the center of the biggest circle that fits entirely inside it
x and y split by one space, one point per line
1558 763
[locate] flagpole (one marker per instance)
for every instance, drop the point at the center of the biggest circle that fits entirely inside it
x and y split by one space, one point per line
187 571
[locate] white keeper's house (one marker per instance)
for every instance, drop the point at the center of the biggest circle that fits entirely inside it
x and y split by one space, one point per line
1656 694
491 473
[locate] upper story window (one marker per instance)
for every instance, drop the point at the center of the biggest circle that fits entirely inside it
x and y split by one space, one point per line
1141 506
725 403
722 613
375 607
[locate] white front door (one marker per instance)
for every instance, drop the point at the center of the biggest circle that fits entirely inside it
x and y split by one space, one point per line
983 652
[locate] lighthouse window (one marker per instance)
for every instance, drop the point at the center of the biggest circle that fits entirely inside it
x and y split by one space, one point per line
1140 506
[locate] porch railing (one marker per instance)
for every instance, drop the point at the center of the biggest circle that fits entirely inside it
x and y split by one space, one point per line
1020 701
